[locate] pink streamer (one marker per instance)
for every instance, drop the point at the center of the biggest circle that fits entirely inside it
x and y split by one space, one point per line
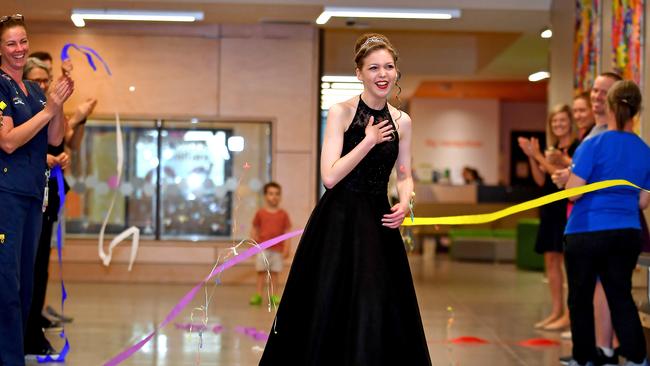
113 182
253 333
190 295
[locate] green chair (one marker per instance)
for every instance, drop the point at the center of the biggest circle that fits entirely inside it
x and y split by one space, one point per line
526 257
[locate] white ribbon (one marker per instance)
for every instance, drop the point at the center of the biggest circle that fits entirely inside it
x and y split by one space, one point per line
133 230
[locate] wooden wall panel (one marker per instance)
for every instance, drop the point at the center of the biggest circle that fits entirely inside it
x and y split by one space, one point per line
272 78
267 73
172 76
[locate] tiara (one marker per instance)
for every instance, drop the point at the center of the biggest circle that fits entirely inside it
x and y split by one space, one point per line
372 39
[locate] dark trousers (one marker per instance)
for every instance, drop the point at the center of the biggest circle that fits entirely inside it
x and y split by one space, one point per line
20 223
610 255
34 337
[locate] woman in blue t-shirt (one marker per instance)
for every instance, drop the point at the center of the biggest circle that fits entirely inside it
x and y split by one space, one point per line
603 231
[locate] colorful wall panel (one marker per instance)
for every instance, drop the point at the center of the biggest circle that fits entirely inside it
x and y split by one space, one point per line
586 44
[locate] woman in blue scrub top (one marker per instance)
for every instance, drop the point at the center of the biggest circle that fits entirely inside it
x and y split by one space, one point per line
603 233
30 121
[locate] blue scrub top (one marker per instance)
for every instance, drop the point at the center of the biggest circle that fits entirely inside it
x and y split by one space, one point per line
23 171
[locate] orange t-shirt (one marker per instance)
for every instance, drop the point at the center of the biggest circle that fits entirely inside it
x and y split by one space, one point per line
271 224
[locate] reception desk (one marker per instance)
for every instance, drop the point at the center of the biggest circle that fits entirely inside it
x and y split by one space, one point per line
445 193
436 200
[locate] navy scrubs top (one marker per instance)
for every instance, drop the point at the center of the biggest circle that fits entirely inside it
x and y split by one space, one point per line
23 171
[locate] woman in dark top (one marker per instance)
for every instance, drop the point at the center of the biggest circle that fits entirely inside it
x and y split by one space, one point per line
349 298
552 217
583 116
30 121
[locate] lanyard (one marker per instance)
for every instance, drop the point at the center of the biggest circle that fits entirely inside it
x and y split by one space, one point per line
46 195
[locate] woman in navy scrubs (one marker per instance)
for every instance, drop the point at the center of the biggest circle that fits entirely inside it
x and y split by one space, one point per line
30 121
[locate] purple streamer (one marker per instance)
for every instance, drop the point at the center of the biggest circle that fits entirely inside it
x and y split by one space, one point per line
88 52
253 333
190 295
66 49
58 175
108 70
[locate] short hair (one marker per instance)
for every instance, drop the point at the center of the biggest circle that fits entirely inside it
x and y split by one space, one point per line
32 63
41 55
612 75
272 185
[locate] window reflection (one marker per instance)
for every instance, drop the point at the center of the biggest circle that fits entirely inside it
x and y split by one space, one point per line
194 164
180 180
93 178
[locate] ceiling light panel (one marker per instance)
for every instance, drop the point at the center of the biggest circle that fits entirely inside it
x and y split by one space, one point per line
395 13
79 16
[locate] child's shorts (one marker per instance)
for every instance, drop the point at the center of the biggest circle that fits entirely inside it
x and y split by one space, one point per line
275 261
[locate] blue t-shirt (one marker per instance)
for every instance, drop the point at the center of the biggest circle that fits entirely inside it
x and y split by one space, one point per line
610 155
23 171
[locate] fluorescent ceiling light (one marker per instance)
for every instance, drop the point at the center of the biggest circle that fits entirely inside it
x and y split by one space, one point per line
540 75
339 79
79 16
236 143
349 92
546 33
347 12
355 86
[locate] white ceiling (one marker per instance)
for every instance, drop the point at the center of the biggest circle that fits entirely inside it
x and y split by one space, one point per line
524 16
518 21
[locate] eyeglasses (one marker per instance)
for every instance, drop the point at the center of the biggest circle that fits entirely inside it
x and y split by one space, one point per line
41 81
17 17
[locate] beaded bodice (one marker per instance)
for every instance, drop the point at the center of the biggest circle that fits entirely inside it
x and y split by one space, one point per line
372 173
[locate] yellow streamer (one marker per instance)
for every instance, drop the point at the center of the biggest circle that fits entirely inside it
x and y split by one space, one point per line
541 201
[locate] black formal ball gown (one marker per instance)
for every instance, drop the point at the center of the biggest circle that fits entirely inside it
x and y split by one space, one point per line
349 298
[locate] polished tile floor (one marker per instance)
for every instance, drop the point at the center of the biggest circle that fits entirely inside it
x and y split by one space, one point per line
495 302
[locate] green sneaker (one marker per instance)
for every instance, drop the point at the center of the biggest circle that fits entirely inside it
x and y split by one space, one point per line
275 300
256 300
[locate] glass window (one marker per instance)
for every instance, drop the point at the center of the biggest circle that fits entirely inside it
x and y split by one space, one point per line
194 199
181 180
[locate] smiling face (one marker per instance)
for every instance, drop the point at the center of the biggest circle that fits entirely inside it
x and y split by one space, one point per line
39 76
14 47
582 113
598 94
560 124
378 73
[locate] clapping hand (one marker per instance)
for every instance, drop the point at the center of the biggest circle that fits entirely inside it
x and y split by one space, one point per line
560 177
60 92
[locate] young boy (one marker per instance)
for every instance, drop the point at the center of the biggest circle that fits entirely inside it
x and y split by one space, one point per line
269 222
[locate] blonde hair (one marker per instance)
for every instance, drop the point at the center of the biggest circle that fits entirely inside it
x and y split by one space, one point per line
551 139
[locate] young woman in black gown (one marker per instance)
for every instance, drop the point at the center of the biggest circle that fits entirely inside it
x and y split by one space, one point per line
349 297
